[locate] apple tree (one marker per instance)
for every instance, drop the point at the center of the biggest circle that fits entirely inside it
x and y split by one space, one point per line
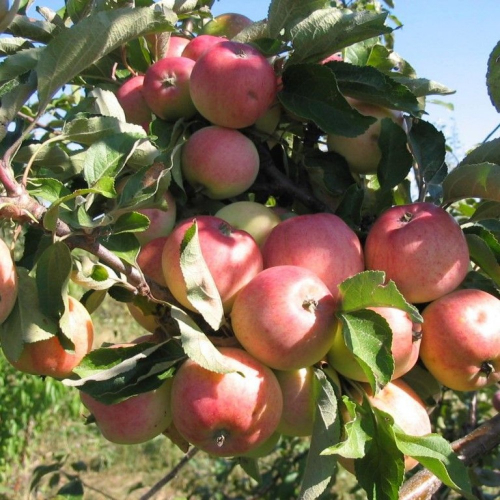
272 204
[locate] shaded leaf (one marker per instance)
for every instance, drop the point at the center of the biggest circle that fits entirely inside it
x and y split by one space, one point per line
493 77
483 256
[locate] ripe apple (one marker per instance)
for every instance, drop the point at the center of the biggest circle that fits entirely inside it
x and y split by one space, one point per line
221 162
149 260
362 152
132 100
461 339
321 242
148 321
199 45
285 317
226 25
135 420
174 48
232 257
233 85
250 216
48 357
336 56
166 88
421 248
8 282
226 414
176 45
405 346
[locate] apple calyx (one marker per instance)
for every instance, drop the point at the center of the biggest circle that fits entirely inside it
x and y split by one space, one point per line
487 368
416 333
168 82
406 217
310 305
225 229
220 437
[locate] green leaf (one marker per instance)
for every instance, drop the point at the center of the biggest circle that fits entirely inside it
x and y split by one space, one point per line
11 45
106 104
53 271
436 455
493 77
388 61
19 63
130 222
421 87
93 275
367 289
47 189
326 432
251 467
310 91
33 29
75 49
486 210
78 9
124 245
481 180
202 292
488 152
482 255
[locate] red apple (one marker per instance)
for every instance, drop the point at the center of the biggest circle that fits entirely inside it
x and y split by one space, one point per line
199 45
220 162
405 346
233 85
461 339
166 88
132 101
226 414
232 257
226 25
285 317
149 260
421 248
8 282
321 242
176 45
336 56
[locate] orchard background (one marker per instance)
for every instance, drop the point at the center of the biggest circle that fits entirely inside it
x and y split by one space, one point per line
90 174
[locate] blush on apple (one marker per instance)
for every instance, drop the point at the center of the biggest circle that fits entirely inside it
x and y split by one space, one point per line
132 101
8 282
199 45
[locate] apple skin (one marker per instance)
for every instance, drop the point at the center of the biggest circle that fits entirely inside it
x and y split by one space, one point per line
132 100
405 348
166 88
250 216
221 162
48 357
176 45
226 25
199 45
321 242
460 334
285 317
226 414
233 85
8 282
421 248
232 256
149 260
362 152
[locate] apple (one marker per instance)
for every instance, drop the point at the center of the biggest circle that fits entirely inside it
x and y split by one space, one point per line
132 100
148 321
166 88
176 45
461 339
321 242
419 246
220 162
232 257
233 85
161 222
149 260
362 152
405 346
226 414
496 401
264 449
8 282
199 45
336 56
48 357
269 121
250 216
285 317
226 25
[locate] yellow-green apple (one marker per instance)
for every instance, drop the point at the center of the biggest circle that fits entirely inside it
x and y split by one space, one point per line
250 216
48 357
199 45
134 420
149 260
362 152
226 414
231 255
321 242
419 246
285 317
233 85
8 282
220 162
226 25
132 100
166 88
405 346
161 222
461 339
269 121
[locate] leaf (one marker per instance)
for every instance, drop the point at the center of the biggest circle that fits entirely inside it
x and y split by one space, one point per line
326 432
11 45
202 291
124 245
310 91
487 152
84 43
198 346
486 210
493 77
93 275
33 29
483 256
422 87
49 190
106 104
480 180
367 289
78 9
19 63
251 467
130 222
